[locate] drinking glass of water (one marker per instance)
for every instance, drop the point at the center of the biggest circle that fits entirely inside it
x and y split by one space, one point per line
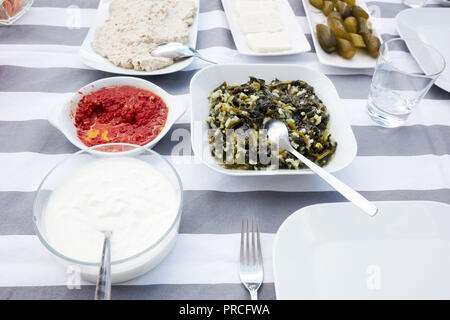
404 73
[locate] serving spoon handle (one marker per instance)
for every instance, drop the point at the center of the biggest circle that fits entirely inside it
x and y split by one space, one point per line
103 287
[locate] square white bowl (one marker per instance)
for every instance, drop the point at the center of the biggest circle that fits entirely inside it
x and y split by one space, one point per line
211 77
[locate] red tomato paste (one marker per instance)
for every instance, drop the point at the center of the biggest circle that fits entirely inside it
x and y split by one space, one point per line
123 114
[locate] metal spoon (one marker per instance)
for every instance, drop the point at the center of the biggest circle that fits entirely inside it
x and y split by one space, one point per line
277 132
103 287
177 50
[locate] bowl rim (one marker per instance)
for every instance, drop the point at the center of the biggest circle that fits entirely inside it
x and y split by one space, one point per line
176 108
123 260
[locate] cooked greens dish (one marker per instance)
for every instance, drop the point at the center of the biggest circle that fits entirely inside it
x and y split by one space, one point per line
237 115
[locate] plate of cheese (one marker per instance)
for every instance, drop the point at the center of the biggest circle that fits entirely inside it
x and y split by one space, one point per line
265 27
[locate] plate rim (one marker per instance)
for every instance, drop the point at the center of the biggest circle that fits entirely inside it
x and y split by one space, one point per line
330 204
320 57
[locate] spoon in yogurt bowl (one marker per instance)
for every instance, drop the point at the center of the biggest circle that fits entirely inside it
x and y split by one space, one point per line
177 50
103 287
277 133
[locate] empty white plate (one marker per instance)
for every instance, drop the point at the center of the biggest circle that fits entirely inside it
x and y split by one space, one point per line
333 251
290 26
96 61
432 26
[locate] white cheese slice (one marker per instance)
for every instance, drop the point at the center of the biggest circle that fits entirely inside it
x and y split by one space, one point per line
260 21
269 42
243 6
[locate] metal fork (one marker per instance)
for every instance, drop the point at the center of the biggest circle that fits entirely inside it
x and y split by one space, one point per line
251 262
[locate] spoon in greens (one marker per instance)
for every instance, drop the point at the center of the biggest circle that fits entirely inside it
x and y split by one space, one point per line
103 287
177 50
277 133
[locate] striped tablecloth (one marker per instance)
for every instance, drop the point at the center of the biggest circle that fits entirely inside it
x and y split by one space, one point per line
40 67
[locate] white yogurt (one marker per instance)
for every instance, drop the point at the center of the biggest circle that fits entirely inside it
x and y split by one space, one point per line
124 195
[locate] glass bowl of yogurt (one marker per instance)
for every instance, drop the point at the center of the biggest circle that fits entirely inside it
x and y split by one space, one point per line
138 196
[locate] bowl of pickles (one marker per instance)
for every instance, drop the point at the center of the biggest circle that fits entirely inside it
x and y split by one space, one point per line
345 28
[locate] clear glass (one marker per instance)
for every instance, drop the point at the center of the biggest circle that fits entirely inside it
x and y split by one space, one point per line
124 269
405 71
414 3
12 10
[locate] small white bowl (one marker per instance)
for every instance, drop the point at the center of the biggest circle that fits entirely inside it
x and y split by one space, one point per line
62 117
211 77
